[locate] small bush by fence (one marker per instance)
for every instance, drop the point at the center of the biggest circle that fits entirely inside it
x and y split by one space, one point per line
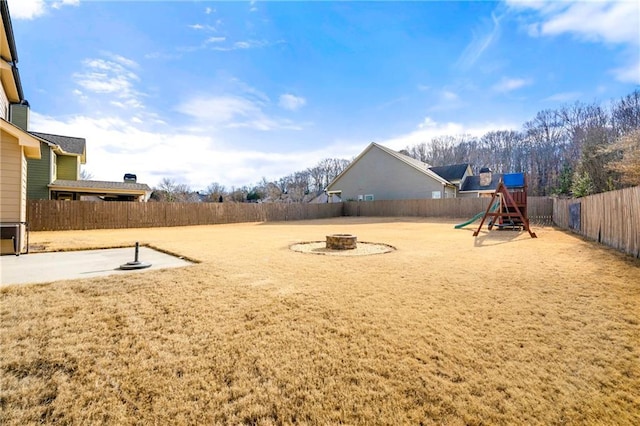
50 215
611 218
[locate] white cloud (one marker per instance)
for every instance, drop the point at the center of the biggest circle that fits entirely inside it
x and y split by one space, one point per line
510 84
233 111
609 22
446 100
26 9
449 96
220 109
113 76
242 45
59 4
200 27
291 102
629 73
215 39
118 145
429 129
209 11
563 97
31 9
481 41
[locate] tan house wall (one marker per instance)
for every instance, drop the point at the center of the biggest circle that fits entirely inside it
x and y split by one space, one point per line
10 179
13 186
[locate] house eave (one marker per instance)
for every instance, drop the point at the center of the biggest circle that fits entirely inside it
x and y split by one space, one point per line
30 144
98 190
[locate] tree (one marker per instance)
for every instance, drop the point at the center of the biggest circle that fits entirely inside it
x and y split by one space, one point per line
213 192
85 174
582 185
170 191
628 164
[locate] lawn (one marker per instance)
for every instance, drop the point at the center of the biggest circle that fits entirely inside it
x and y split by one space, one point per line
447 329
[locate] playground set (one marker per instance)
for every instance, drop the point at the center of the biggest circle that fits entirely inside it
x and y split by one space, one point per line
507 208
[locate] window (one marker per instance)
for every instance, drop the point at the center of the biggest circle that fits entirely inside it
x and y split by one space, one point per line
436 194
368 197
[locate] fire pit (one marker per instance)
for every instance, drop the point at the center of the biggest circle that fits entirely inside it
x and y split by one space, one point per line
341 242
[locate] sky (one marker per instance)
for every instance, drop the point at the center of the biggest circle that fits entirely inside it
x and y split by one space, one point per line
233 92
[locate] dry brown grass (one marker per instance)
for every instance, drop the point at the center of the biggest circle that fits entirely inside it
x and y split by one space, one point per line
501 329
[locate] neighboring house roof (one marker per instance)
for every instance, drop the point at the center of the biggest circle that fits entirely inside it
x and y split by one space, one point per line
472 183
412 162
99 185
452 172
68 144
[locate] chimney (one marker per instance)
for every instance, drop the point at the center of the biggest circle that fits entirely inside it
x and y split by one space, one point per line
485 176
19 114
130 177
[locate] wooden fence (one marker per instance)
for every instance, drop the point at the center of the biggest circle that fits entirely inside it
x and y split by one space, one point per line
611 218
50 215
540 209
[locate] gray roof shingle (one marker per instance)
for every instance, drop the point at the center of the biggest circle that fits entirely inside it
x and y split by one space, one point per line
98 184
452 172
67 143
472 183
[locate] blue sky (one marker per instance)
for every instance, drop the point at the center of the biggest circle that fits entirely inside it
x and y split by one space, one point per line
232 92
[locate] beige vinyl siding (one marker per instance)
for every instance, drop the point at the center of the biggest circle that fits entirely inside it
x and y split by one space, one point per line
386 178
39 175
67 167
10 179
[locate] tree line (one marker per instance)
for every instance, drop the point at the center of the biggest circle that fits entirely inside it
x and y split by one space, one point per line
575 150
301 186
578 149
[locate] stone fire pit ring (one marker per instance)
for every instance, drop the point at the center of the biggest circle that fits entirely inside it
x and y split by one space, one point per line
363 248
341 242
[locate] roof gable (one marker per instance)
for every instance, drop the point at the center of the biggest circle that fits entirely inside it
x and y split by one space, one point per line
409 161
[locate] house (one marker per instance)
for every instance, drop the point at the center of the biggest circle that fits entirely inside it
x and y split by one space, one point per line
380 173
455 173
61 157
321 197
482 185
16 145
56 175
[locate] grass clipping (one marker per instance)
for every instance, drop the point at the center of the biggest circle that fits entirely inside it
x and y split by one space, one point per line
448 329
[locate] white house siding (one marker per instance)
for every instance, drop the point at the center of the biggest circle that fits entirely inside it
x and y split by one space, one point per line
386 178
4 104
